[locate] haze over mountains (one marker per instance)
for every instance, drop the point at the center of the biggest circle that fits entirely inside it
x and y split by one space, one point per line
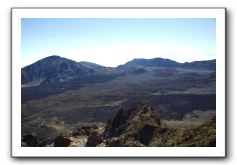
60 95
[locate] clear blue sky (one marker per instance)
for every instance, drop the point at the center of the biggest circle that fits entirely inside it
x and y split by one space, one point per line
111 42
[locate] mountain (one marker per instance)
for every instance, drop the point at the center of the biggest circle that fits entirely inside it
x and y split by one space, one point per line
202 65
57 69
60 96
54 69
167 63
155 62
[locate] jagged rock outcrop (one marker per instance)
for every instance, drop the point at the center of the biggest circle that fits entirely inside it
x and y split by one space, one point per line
138 125
135 125
130 119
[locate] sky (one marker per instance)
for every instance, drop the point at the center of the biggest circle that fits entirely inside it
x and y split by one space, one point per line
114 41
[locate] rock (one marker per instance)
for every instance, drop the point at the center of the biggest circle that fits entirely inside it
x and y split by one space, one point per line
131 119
46 142
134 126
203 135
103 144
78 141
85 130
29 140
123 142
62 141
114 142
164 137
94 140
146 134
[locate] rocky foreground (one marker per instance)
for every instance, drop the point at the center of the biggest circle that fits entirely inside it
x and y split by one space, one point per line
136 125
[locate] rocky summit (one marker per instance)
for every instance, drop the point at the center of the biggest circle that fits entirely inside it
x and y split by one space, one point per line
134 125
131 119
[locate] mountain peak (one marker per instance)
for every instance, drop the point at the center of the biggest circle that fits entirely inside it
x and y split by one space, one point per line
52 57
154 62
52 69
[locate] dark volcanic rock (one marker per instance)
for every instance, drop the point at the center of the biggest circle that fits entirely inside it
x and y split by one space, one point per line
136 125
146 134
62 141
85 130
29 140
132 118
94 140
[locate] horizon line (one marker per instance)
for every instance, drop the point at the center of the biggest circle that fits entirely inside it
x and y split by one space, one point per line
117 65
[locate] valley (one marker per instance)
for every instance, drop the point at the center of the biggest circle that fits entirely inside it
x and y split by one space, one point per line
60 96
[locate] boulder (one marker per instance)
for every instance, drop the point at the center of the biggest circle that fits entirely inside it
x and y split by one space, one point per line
61 141
94 140
29 140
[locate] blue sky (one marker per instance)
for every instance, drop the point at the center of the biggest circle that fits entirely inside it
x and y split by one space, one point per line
114 41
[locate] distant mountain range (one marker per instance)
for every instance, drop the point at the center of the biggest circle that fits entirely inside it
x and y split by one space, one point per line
57 69
167 63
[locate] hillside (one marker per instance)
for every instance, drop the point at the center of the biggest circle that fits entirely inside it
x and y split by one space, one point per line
136 125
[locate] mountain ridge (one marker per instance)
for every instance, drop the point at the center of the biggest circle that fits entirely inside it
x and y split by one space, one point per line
167 63
59 69
135 59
